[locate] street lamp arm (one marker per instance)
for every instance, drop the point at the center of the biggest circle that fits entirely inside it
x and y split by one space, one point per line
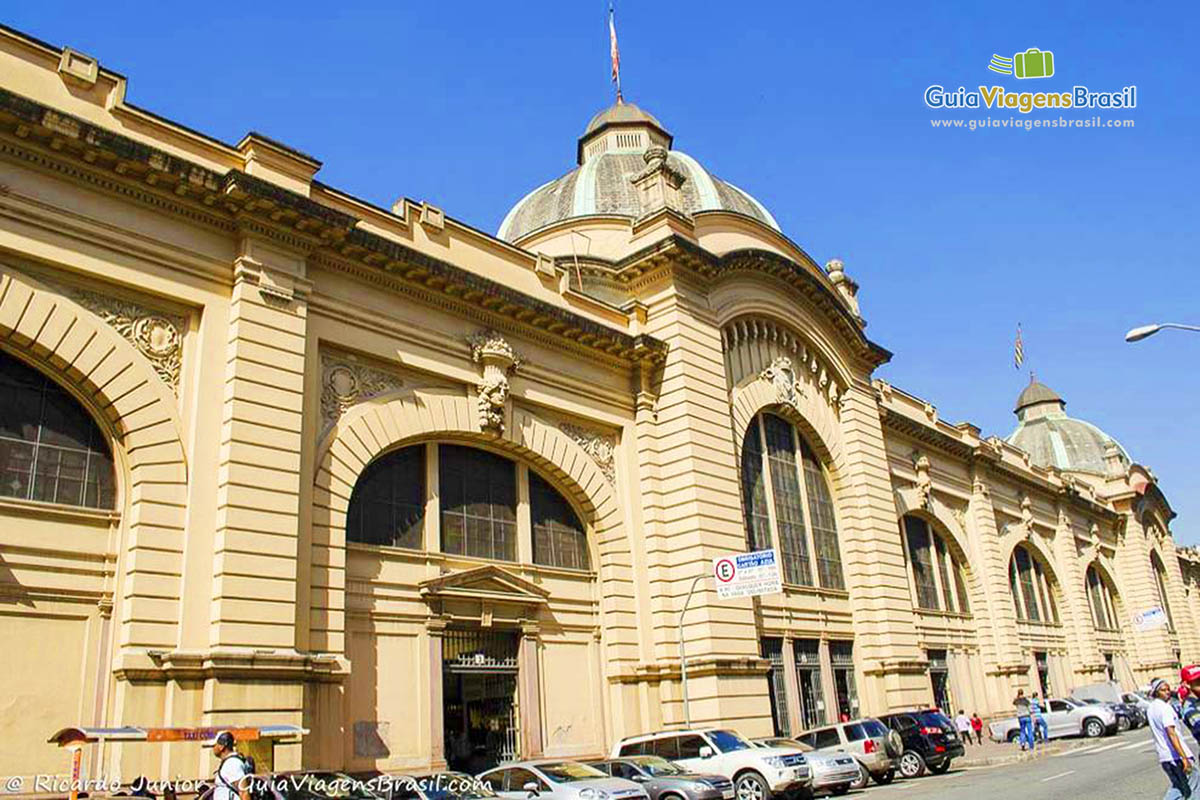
1137 334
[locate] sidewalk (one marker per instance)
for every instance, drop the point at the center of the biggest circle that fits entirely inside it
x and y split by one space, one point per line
991 753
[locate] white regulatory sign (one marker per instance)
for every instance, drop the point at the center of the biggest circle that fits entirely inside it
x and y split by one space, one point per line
747 574
1150 619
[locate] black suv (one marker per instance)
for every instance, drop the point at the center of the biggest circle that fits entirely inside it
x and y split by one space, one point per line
930 741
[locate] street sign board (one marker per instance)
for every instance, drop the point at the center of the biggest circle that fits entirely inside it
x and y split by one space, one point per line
747 574
1150 619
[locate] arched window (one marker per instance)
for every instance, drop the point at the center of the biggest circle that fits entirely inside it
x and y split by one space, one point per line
1100 597
786 496
937 574
1160 580
476 502
50 449
1031 587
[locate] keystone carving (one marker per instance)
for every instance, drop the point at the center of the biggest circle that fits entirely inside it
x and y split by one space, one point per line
490 350
157 336
345 382
788 390
600 447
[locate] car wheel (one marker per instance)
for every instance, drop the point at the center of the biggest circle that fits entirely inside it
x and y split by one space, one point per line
751 786
941 768
864 778
1123 724
1013 736
911 764
884 778
1093 728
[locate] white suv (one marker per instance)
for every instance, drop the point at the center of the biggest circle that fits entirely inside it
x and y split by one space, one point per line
757 772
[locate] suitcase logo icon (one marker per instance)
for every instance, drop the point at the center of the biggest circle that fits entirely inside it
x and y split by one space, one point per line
1033 63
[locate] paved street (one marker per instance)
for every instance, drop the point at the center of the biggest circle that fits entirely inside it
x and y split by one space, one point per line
1122 767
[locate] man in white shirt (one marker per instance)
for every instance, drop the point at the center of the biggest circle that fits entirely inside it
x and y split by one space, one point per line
233 773
1173 755
963 724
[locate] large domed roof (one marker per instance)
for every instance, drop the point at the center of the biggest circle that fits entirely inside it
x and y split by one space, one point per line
610 155
1054 439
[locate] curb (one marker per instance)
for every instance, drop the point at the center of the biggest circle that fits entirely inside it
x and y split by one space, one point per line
1013 758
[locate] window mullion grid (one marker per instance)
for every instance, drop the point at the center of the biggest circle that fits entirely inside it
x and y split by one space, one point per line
935 558
1018 588
769 485
811 556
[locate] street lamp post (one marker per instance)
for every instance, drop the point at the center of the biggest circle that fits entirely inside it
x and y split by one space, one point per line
687 714
1137 334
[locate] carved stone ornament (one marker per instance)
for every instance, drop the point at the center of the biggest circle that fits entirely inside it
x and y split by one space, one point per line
490 350
788 390
924 482
960 516
157 336
1027 514
600 447
345 382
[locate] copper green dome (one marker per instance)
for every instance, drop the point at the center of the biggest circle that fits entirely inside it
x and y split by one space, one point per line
1054 439
610 153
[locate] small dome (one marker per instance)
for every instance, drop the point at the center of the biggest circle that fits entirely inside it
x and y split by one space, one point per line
621 112
1054 439
610 155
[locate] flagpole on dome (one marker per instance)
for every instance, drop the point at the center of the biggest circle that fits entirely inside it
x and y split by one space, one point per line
614 53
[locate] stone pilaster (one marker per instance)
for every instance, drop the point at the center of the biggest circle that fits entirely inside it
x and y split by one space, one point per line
1074 611
254 567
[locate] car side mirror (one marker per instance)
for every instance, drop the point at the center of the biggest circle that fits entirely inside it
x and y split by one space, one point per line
706 752
639 777
532 788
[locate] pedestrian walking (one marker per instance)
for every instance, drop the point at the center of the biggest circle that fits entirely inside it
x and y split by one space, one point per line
977 726
1173 755
233 771
1024 720
1190 707
963 723
1041 731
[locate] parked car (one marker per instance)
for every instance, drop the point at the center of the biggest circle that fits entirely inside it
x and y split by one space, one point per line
558 780
757 773
314 785
1063 718
929 741
666 780
1137 699
431 786
876 748
1129 717
832 773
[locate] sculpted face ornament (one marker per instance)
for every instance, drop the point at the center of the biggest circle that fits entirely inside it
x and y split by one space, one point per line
499 361
788 390
924 481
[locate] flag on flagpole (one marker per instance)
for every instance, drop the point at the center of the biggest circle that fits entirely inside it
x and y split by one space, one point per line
613 52
1018 350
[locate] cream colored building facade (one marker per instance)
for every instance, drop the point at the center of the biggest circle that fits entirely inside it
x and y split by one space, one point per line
280 455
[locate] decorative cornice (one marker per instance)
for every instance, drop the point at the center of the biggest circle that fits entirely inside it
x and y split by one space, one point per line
235 200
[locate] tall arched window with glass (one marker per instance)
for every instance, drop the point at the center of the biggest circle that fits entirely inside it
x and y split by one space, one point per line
1100 597
51 451
1160 581
786 499
1031 587
938 576
476 504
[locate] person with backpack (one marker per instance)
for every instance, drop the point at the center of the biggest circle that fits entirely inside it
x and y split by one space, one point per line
234 771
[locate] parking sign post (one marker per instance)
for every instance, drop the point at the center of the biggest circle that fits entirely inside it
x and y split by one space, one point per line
687 714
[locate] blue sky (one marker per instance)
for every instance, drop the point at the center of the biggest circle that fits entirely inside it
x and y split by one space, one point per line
815 108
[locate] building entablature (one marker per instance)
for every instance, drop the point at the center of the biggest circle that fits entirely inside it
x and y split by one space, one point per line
909 415
238 202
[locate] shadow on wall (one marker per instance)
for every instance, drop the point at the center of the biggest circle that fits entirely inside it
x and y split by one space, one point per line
11 591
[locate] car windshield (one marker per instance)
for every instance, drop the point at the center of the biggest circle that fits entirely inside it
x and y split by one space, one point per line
657 766
728 741
569 771
448 785
1091 701
874 727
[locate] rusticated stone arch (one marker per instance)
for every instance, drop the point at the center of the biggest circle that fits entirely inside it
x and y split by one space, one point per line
132 404
941 523
1016 538
808 413
394 420
1105 570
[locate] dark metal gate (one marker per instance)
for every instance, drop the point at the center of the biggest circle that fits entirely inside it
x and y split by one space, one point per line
481 702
